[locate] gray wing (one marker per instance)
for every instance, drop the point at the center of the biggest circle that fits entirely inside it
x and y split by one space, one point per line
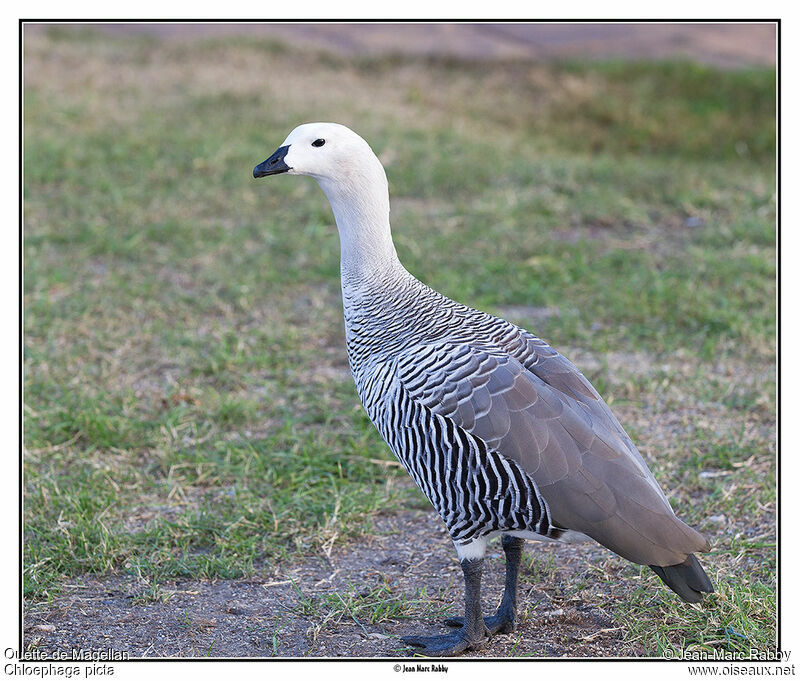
548 418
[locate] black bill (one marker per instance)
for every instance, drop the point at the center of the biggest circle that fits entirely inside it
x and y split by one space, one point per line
274 165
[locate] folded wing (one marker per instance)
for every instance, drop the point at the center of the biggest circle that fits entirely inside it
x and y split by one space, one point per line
540 411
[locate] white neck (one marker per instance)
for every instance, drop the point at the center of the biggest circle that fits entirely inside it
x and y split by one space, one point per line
360 202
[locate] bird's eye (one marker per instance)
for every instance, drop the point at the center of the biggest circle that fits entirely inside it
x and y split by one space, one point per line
318 143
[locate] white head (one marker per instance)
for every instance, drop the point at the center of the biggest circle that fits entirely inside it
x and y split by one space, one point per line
330 153
352 178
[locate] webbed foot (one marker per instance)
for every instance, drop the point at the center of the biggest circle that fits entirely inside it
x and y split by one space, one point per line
446 645
501 623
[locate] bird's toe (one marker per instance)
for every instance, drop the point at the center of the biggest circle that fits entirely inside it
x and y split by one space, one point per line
446 645
501 623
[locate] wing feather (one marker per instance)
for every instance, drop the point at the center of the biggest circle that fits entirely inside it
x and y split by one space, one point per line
540 411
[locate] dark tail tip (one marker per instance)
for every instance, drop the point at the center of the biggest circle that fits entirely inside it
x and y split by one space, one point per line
687 579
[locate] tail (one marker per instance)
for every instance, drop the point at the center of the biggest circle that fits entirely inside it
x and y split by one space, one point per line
687 579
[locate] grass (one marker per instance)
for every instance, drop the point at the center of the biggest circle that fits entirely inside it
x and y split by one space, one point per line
363 607
188 410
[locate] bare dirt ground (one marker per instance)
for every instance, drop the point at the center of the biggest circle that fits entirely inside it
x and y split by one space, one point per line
271 617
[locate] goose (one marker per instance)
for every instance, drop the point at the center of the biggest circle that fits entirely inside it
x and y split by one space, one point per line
504 435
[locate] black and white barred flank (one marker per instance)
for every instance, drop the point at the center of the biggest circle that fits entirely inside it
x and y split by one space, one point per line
475 489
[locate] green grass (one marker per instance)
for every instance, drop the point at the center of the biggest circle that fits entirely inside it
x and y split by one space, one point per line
739 617
187 406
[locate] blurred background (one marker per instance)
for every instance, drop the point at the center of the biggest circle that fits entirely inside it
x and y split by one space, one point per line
721 44
191 428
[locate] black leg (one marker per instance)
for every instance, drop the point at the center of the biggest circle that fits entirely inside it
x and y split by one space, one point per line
471 635
504 621
507 612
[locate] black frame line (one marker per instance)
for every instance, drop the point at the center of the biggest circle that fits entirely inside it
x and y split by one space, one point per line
778 160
